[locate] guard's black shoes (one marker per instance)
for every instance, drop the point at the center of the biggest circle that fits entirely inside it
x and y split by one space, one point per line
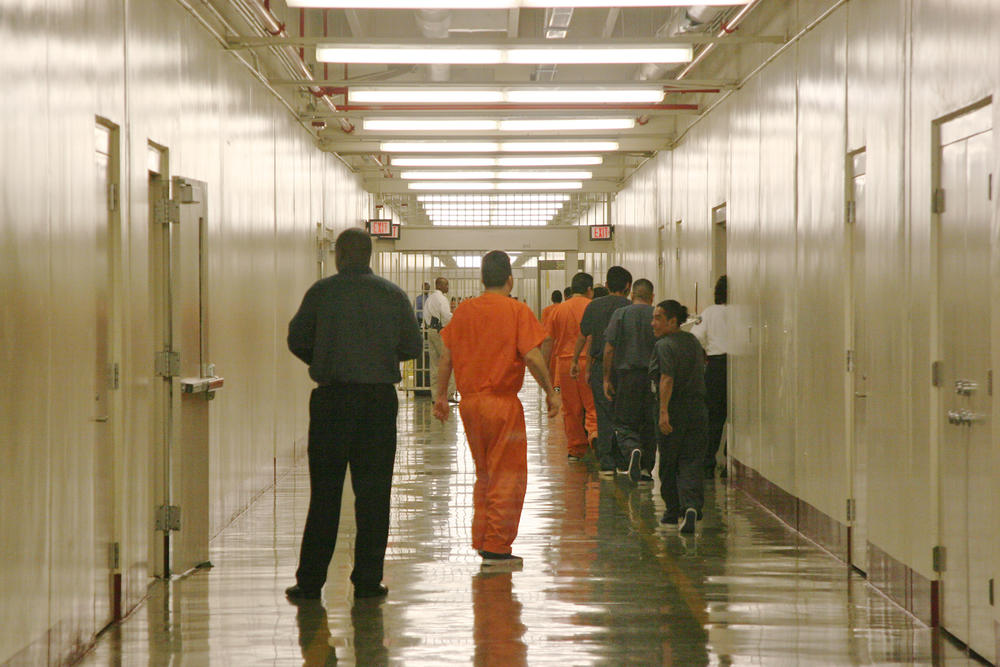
690 518
376 591
296 592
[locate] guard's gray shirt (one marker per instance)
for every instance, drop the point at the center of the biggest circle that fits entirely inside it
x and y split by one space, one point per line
630 333
354 327
680 356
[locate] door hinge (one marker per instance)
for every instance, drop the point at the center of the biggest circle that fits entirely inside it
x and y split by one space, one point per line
166 211
114 555
992 604
114 376
936 373
938 556
852 510
850 361
989 383
168 364
112 197
989 187
168 517
937 205
850 212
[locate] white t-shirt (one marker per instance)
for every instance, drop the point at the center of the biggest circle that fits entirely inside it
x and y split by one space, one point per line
713 330
437 305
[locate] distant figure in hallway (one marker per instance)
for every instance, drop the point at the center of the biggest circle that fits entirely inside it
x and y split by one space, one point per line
713 333
579 416
420 301
488 343
353 329
437 314
628 347
557 298
595 320
677 368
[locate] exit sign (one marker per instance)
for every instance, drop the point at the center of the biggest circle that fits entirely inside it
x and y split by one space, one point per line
377 227
601 232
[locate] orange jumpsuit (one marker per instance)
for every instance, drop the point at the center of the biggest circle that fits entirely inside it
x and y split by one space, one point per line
579 416
546 315
488 338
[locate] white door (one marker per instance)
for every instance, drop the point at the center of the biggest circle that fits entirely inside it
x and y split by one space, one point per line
859 362
967 500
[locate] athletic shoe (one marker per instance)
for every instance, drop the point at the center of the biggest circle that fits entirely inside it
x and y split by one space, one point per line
296 592
634 465
669 518
491 559
690 518
621 471
376 591
645 478
574 457
607 472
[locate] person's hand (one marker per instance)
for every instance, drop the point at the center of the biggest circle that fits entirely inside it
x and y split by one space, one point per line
441 410
574 370
609 390
665 426
554 402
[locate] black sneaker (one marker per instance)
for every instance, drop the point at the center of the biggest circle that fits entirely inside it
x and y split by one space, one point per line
645 477
690 519
296 592
634 465
376 591
669 518
573 457
491 558
607 472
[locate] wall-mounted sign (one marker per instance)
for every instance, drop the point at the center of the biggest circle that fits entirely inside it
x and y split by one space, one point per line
380 227
394 235
601 232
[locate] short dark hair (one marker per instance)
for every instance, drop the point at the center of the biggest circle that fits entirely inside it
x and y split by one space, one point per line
642 289
721 290
581 283
619 279
556 296
496 268
440 282
673 309
600 291
568 292
353 248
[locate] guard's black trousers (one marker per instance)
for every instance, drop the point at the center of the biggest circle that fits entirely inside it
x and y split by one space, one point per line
349 425
715 385
682 456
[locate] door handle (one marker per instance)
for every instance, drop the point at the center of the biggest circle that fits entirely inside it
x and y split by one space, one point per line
860 394
101 419
954 417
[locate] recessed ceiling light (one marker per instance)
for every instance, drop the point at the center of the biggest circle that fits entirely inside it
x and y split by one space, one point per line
459 54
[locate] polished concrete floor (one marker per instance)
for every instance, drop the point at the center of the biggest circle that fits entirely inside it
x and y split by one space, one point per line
602 584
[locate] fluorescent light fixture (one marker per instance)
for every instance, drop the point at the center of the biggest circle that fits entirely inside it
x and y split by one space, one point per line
500 4
422 125
484 208
502 175
541 161
493 125
487 185
555 95
548 197
566 124
497 146
458 54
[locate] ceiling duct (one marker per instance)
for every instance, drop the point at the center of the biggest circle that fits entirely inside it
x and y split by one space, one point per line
557 20
699 18
435 24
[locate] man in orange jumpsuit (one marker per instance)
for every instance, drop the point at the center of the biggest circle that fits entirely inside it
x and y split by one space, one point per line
579 415
488 342
557 298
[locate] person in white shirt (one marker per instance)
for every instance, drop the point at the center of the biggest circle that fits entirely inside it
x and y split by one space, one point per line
712 330
437 314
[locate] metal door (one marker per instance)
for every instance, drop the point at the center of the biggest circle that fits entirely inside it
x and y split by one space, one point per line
858 362
964 204
105 380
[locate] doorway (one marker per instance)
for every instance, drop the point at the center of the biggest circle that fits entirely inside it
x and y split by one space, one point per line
718 242
963 202
858 365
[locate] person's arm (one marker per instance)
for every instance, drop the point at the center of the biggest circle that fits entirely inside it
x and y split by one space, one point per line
302 329
666 389
546 349
411 343
441 410
581 342
536 363
609 362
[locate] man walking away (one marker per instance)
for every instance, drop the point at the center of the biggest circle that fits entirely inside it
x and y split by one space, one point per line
628 346
579 416
353 329
713 334
437 314
678 369
488 342
557 298
592 325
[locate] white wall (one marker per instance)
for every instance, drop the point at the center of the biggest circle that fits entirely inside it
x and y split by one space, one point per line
873 74
148 67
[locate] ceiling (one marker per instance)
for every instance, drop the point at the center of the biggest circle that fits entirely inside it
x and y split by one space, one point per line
281 44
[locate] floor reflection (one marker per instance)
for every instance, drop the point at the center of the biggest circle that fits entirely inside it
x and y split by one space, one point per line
603 583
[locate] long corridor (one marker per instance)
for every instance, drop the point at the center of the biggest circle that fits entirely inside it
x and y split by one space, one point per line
602 584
